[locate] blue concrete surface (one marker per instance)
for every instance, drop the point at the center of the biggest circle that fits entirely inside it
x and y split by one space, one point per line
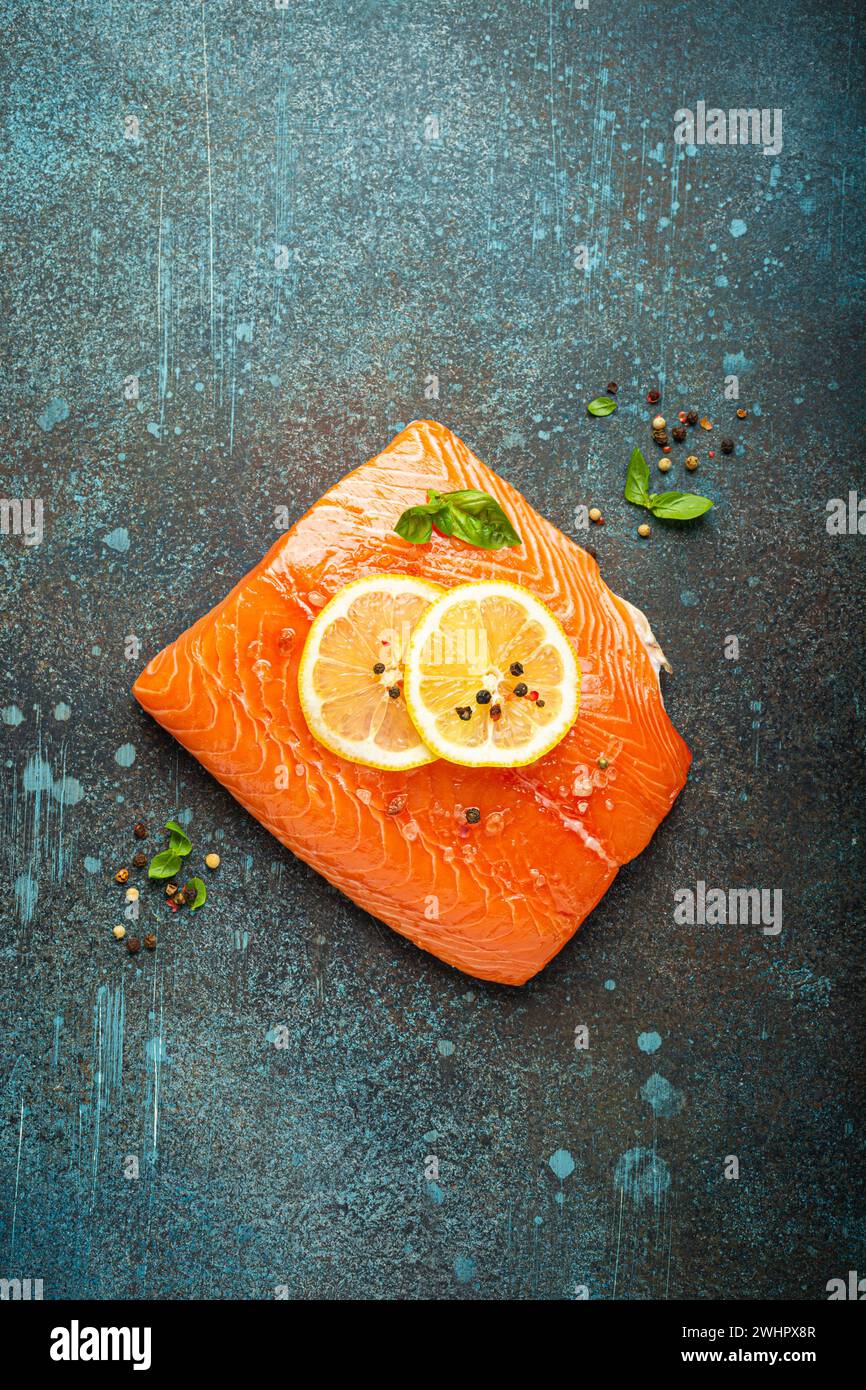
240 241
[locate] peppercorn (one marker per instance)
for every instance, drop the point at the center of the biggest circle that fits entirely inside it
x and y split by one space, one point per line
516 669
150 941
643 530
659 422
394 692
594 515
132 895
540 704
692 463
139 860
119 932
473 815
121 876
378 668
212 860
678 433
495 711
533 695
691 417
727 446
612 388
170 890
521 689
464 712
602 761
741 413
483 697
133 944
140 831
664 464
190 893
653 396
662 440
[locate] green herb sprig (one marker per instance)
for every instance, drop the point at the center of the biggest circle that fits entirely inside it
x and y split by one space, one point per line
668 506
168 861
472 516
602 405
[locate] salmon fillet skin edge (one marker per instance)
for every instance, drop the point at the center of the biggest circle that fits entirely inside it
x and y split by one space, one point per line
497 899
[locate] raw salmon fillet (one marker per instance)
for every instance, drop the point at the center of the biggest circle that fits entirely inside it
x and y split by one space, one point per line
497 899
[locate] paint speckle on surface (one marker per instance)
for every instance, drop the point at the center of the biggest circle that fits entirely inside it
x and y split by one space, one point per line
118 539
641 1175
610 985
38 776
68 791
649 1042
689 599
465 1269
92 864
12 716
55 411
446 1048
62 712
26 890
562 1164
664 1098
738 228
125 755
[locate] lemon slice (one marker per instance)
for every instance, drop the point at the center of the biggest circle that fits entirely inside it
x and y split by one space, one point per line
491 678
350 679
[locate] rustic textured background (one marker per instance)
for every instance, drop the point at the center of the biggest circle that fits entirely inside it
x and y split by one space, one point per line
281 222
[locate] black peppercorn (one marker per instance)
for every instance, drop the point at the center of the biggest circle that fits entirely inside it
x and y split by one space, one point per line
612 388
378 668
464 712
150 941
691 417
521 689
133 944
140 831
473 815
394 692
483 697
678 433
516 669
139 860
727 446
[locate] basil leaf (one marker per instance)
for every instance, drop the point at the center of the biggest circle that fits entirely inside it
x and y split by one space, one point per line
470 515
637 480
602 405
164 865
179 842
678 506
416 524
479 521
200 894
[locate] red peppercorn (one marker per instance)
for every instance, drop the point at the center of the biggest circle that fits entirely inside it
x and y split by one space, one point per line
666 449
712 453
533 695
653 396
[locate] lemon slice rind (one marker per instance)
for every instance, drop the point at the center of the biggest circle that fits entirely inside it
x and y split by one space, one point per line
368 753
545 738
